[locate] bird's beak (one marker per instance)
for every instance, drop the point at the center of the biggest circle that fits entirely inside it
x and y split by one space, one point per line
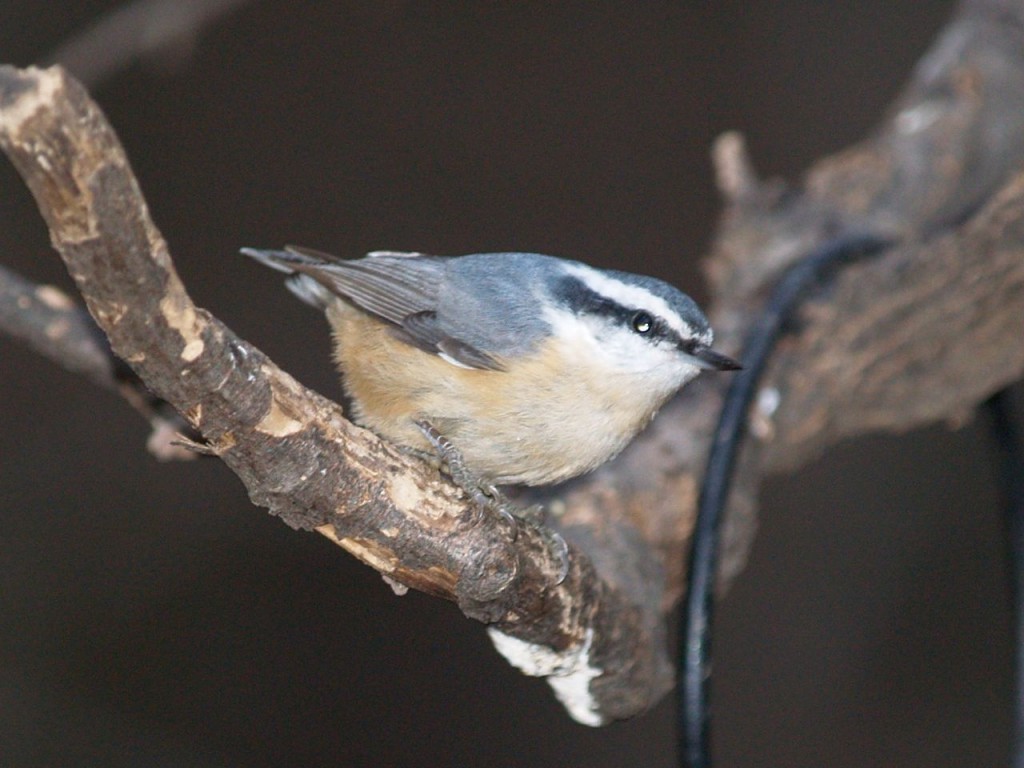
706 358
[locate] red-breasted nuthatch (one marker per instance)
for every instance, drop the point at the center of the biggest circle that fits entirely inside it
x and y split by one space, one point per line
536 369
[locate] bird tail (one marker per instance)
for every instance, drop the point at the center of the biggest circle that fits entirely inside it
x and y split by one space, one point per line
291 261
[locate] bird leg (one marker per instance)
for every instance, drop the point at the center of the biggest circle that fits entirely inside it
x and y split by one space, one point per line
454 465
487 496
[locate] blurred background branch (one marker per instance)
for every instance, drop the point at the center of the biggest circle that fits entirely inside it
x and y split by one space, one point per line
159 33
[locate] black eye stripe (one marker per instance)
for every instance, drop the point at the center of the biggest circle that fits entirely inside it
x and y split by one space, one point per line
577 296
580 298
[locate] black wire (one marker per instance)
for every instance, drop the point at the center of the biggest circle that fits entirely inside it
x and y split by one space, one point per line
695 633
1010 447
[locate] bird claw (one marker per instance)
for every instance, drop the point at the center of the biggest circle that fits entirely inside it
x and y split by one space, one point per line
487 496
559 550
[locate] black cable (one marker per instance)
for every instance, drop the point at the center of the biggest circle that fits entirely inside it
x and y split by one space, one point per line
695 632
1010 448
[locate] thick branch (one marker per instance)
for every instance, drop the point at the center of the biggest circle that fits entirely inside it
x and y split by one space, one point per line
293 449
930 329
923 333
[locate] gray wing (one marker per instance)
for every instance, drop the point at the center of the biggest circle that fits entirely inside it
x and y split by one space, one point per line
387 284
400 288
424 330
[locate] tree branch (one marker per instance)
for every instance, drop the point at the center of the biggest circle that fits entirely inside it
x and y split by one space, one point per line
50 323
293 449
921 333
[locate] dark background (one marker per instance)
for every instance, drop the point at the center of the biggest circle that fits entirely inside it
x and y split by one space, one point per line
150 616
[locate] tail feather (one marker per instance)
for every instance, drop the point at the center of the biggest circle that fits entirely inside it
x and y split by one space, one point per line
309 290
303 286
315 278
278 260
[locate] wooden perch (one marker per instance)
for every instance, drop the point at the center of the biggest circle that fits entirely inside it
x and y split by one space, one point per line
921 333
293 449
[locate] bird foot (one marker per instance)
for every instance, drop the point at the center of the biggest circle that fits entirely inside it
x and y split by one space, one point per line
487 496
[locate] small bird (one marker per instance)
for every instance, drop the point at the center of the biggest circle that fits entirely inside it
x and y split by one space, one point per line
530 369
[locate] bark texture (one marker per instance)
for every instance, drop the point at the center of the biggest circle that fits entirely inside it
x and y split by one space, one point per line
922 332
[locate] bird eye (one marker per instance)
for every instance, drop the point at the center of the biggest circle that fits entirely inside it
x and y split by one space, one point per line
642 323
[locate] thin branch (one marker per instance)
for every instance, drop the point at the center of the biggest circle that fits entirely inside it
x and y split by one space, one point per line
52 324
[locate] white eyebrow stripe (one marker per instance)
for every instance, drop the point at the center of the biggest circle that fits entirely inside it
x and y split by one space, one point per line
632 296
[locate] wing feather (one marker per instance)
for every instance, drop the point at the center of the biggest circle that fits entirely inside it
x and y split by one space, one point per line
400 288
391 286
423 330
